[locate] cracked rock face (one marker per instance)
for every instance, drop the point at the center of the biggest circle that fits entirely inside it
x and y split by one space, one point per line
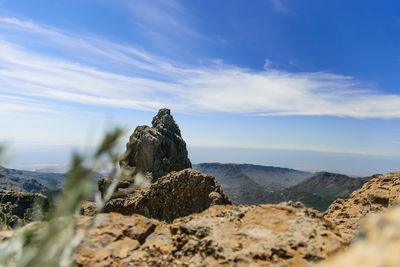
376 195
266 235
172 196
157 150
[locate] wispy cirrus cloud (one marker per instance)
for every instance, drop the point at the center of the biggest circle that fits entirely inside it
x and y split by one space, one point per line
96 72
164 21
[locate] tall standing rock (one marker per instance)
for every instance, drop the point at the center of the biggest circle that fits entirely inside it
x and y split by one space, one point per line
156 151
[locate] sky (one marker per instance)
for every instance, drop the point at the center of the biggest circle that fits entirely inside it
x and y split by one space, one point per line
304 84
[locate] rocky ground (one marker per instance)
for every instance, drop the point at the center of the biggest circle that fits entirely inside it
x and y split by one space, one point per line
266 235
377 243
286 234
376 195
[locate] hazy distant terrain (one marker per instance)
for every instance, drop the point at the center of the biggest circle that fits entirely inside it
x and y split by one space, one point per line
266 176
254 184
35 182
246 184
327 184
15 180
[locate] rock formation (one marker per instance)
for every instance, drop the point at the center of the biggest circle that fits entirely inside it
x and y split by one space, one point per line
175 195
155 151
18 206
266 235
377 244
376 195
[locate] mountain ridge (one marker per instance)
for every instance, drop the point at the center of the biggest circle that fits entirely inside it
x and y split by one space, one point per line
318 190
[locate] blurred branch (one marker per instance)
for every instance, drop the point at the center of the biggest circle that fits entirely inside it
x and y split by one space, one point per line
55 243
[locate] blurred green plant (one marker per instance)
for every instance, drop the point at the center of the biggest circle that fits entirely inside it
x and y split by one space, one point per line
53 243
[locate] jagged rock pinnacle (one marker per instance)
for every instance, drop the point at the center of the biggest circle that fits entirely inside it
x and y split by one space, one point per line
164 121
157 150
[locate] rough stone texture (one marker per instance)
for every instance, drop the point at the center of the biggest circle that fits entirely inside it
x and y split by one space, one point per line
377 244
88 208
267 235
172 196
18 206
121 187
157 150
113 240
376 195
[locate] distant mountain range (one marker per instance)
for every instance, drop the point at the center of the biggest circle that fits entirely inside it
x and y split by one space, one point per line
11 180
327 184
254 184
53 179
35 182
245 184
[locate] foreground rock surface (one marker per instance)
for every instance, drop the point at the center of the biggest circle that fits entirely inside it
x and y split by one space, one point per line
157 150
172 196
376 245
266 235
376 195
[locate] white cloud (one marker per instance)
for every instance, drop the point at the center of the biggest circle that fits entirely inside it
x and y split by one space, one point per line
147 82
12 104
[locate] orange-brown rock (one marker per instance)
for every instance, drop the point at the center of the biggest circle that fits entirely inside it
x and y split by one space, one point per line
88 208
266 235
376 245
376 195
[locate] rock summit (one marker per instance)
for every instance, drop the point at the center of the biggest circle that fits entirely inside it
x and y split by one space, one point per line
156 151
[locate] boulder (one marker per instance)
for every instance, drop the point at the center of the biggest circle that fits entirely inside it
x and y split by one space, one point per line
172 196
266 235
157 150
377 243
376 195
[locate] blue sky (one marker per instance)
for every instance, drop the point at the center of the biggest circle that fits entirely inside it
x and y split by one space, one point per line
297 77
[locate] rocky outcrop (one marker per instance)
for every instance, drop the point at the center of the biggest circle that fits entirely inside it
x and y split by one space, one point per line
172 196
155 151
266 235
377 244
16 207
376 195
